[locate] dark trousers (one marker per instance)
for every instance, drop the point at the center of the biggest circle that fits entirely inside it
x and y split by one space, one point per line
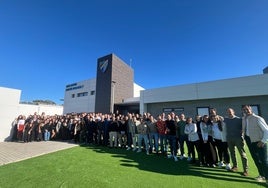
259 156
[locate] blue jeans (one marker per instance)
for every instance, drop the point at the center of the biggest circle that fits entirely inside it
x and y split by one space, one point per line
259 156
153 140
143 137
163 143
47 135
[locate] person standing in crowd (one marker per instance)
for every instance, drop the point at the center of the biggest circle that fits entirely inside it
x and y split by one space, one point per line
198 120
217 137
143 131
20 127
171 137
255 130
113 129
122 137
234 137
183 138
226 155
161 127
153 134
130 126
191 131
206 131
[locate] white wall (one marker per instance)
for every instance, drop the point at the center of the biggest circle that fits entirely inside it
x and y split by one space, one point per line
28 109
11 109
80 104
9 104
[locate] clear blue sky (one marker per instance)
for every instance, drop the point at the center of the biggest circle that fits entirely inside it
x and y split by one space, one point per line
47 44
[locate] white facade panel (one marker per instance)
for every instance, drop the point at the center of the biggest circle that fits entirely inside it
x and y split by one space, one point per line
137 90
73 99
235 87
167 94
9 104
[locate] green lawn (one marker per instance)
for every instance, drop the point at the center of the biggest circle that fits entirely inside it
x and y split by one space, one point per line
103 167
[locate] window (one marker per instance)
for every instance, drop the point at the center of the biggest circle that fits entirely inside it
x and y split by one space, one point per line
92 92
73 95
167 110
178 110
202 111
82 94
255 109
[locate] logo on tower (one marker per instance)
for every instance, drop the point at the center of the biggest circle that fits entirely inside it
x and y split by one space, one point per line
103 65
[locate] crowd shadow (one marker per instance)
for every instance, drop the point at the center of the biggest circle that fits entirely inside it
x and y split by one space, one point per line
162 165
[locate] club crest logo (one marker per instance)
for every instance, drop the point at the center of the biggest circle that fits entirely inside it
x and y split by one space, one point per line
103 65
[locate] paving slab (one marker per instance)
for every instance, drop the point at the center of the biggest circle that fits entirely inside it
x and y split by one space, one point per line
17 151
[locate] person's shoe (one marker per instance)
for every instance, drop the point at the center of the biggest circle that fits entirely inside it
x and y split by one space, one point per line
228 167
245 173
213 166
147 153
234 169
221 164
181 157
139 150
260 179
128 148
134 149
189 159
175 159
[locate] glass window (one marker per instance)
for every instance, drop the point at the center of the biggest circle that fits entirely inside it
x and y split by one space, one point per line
202 111
167 109
82 94
178 110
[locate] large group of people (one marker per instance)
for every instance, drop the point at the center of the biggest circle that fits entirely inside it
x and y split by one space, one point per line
211 140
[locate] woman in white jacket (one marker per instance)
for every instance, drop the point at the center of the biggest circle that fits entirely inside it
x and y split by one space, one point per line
191 131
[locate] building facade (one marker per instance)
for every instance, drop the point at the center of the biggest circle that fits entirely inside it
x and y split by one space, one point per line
113 89
198 98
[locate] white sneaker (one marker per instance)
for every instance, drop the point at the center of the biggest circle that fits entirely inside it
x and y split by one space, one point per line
260 179
228 166
128 148
139 150
147 153
221 164
175 159
134 149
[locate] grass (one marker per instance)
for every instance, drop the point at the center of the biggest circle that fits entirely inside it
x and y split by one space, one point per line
102 167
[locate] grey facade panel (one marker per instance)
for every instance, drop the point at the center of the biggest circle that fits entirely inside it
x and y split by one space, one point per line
221 104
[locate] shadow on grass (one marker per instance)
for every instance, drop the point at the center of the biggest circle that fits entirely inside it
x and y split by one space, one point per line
161 164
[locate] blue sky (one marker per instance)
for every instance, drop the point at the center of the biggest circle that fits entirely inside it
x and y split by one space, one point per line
47 44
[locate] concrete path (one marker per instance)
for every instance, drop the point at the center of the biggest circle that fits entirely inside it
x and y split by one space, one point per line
17 151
